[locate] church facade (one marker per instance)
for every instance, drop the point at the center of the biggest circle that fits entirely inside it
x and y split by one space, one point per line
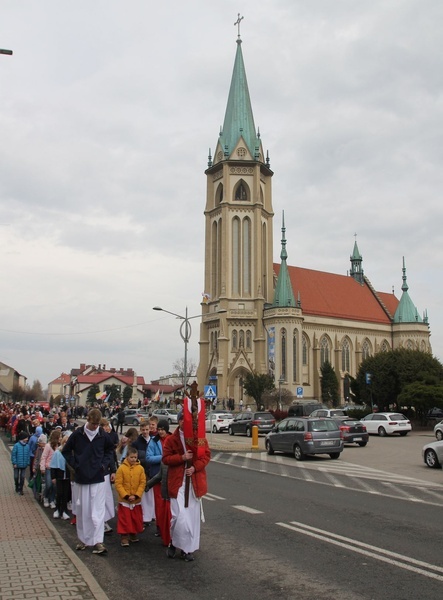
272 317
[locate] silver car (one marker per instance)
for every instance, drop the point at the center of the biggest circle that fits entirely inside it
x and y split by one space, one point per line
305 435
433 455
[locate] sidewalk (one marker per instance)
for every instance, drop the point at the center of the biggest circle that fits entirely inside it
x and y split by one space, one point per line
35 562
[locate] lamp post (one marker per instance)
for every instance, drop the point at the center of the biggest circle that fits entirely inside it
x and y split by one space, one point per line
185 334
280 383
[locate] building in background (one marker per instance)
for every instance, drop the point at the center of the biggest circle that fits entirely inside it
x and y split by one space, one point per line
276 318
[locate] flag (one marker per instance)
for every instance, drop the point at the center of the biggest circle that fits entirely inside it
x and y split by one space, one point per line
101 395
206 297
157 396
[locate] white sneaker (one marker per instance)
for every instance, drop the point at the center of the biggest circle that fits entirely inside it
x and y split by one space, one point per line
108 528
65 517
46 503
52 505
56 515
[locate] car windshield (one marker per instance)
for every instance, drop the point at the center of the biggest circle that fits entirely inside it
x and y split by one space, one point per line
263 416
324 425
172 412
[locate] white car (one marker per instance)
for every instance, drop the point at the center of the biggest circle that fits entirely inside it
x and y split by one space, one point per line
433 454
438 431
387 423
218 422
335 413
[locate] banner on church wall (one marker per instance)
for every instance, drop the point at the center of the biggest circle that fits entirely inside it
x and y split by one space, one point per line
271 352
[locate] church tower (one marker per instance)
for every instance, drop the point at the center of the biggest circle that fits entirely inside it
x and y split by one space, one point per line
238 247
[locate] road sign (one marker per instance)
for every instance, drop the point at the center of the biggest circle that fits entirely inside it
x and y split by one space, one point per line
299 391
210 392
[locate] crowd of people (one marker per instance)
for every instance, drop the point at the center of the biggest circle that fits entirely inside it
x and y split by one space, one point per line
73 469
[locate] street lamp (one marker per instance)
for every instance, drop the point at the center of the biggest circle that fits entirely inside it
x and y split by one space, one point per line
185 333
280 383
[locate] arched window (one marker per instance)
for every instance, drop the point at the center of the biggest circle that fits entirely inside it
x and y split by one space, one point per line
241 338
241 191
365 350
219 194
236 256
324 350
246 256
248 340
294 355
305 351
384 346
283 352
409 345
345 356
234 339
212 341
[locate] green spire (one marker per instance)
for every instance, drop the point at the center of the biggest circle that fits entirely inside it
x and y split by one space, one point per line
284 295
239 120
356 264
406 311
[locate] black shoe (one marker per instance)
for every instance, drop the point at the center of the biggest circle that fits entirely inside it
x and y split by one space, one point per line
187 556
170 551
21 493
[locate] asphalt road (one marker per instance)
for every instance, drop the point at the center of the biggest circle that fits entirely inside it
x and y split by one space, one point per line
361 527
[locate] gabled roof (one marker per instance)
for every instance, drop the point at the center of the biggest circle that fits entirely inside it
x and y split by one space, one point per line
63 378
338 296
101 377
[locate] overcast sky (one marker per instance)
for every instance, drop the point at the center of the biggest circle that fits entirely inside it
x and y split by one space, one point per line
108 110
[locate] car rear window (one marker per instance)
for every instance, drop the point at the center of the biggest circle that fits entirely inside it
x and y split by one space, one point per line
397 417
263 416
323 425
338 413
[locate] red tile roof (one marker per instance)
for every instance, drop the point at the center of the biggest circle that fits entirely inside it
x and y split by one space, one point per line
101 377
339 296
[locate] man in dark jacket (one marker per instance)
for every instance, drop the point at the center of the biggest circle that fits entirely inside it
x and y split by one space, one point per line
89 453
120 420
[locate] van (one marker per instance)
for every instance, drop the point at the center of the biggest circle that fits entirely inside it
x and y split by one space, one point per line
304 409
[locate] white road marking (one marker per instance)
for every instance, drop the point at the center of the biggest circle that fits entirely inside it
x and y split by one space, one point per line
247 509
392 558
213 497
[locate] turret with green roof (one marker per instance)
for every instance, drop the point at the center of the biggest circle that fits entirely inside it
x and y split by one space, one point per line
283 295
406 311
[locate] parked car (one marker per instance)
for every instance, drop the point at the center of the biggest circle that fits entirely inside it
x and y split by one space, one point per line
244 421
218 421
329 412
166 413
305 435
353 431
132 417
304 409
387 423
433 454
435 413
438 431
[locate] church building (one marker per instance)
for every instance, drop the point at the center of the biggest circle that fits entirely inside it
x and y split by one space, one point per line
272 317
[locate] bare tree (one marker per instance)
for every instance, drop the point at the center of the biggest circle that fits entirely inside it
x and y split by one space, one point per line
179 367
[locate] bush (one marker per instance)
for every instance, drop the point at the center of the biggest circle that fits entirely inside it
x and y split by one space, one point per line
278 414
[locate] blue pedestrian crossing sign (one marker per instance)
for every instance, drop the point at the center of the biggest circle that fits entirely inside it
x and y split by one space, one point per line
210 392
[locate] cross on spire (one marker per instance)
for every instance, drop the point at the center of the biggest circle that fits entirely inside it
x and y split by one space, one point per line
238 21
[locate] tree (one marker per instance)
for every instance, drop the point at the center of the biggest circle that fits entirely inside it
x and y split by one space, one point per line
127 395
179 367
329 385
37 392
271 398
392 372
93 391
255 384
114 393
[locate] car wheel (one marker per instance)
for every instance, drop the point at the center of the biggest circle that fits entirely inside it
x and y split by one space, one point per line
298 453
214 429
248 432
269 448
362 444
169 421
230 431
334 455
403 433
134 421
431 459
381 431
439 435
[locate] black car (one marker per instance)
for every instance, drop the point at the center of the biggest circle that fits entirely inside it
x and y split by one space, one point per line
353 432
244 421
435 413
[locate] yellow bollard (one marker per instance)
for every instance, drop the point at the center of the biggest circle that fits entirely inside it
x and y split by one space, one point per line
254 438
